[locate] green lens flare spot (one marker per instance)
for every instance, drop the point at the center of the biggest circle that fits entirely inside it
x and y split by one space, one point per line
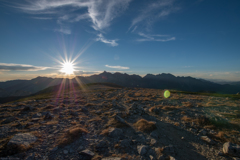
167 94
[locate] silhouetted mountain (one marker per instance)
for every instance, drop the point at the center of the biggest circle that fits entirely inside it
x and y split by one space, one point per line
159 81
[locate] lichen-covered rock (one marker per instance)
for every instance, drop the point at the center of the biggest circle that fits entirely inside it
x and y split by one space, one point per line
231 149
24 139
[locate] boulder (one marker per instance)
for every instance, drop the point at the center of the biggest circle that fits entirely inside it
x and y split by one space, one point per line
231 149
115 132
22 139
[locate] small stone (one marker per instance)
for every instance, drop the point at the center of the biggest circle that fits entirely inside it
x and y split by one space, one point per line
65 151
203 132
87 153
154 134
48 116
73 113
80 148
54 149
112 158
153 142
22 139
169 149
31 156
37 115
172 158
207 139
35 119
142 150
151 157
231 149
220 153
115 132
125 143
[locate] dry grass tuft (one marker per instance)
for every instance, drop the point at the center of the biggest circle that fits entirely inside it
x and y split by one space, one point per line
176 124
187 104
183 112
209 127
104 132
114 123
97 157
49 107
187 119
144 125
168 107
220 135
202 121
159 151
117 146
51 122
71 135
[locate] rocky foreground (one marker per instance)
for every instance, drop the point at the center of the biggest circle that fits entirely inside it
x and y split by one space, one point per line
114 124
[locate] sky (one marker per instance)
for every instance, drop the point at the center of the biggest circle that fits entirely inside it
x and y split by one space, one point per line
198 38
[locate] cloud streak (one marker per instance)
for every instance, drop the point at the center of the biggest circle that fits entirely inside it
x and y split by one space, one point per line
101 38
154 12
100 12
117 67
20 67
64 31
157 37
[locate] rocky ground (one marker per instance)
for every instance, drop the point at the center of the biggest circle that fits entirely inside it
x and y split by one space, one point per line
116 124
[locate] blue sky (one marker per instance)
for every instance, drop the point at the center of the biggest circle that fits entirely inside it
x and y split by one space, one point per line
197 38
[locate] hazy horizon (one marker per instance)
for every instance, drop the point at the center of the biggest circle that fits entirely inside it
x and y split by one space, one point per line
87 75
196 38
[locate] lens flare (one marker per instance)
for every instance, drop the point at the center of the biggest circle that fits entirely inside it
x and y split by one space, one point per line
167 94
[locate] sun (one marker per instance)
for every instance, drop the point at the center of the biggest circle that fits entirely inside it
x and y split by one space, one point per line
67 68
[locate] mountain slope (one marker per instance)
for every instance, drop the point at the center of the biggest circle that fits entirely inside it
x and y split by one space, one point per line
159 81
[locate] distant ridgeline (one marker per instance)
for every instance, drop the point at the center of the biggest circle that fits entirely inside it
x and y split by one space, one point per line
160 81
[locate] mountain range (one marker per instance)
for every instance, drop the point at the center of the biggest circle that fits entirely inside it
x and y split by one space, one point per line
159 81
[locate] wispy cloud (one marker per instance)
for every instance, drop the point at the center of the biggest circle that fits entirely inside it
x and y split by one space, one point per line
154 12
101 38
101 12
42 18
20 67
117 67
64 31
157 37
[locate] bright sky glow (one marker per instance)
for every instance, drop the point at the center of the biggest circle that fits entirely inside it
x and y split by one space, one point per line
67 68
197 38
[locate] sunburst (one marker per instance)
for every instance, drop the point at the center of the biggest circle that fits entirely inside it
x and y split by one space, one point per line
68 68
